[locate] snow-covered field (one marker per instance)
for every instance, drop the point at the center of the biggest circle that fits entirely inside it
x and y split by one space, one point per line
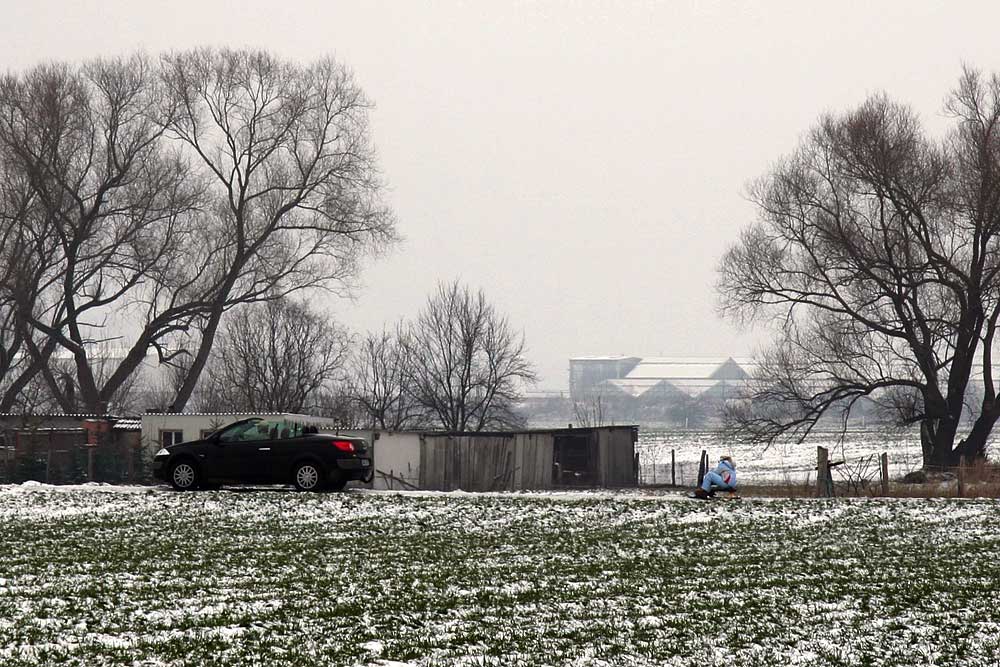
141 576
780 463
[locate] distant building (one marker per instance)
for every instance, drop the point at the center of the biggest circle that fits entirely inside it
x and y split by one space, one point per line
663 377
586 373
681 390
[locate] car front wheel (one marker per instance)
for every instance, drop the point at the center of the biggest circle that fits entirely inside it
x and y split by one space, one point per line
184 476
307 477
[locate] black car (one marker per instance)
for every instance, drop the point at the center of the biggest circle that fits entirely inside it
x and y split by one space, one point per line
256 451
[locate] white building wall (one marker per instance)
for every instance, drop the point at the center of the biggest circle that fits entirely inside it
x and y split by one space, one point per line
397 460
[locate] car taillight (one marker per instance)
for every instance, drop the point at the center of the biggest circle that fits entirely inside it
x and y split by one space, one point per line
343 445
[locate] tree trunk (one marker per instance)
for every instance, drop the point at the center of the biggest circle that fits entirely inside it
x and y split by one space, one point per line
937 440
13 392
199 362
974 445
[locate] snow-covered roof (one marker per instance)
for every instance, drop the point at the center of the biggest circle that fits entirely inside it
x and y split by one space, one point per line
50 415
219 414
54 429
688 368
637 387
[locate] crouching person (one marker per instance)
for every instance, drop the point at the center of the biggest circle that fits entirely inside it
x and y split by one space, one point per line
723 478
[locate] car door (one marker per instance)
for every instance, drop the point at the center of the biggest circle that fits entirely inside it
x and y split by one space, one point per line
283 451
256 452
242 454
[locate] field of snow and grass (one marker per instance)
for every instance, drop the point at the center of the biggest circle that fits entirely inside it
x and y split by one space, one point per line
777 464
100 575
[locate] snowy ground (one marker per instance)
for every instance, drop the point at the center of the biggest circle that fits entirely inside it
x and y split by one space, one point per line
780 463
136 576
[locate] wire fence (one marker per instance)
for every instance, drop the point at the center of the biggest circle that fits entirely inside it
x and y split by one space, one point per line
863 462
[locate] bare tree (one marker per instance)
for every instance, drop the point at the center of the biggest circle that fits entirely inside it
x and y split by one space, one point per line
19 264
468 366
296 189
589 410
338 403
148 200
277 356
878 253
379 382
104 196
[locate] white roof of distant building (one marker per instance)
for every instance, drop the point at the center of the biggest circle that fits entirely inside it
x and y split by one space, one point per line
684 368
680 375
634 387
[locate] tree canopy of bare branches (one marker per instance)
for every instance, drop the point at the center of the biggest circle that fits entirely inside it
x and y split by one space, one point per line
379 382
100 200
877 252
144 198
275 357
468 365
295 187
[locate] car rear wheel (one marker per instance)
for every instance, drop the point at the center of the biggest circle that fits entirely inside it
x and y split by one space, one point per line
184 476
307 477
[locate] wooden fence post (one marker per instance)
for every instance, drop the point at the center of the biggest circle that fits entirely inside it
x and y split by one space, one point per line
702 467
961 477
885 473
822 472
48 460
673 468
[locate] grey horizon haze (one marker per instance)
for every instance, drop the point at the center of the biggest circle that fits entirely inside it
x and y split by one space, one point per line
583 163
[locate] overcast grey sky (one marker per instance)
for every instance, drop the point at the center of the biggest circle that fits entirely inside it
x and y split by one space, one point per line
582 162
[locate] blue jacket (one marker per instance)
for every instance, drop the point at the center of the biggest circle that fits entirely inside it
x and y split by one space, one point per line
727 471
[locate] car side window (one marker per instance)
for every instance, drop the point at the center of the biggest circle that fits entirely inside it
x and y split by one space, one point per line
260 431
232 433
250 431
